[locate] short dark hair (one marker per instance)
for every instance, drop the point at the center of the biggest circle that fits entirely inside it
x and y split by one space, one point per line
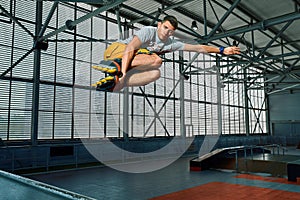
173 21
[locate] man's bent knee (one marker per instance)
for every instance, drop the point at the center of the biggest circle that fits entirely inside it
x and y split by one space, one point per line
155 74
157 62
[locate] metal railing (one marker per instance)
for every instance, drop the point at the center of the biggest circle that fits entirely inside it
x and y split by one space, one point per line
264 148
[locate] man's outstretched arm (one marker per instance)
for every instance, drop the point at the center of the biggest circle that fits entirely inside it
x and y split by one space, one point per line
211 49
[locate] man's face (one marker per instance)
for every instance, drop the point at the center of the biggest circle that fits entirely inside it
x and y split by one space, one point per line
165 30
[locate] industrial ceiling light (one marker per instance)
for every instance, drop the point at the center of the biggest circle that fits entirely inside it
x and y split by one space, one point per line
194 26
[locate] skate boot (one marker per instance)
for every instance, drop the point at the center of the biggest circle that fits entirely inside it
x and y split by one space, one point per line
106 84
110 67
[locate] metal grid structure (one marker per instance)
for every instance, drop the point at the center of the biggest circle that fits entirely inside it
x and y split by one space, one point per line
268 63
266 31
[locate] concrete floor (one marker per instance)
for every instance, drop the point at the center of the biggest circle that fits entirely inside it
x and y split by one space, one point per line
107 183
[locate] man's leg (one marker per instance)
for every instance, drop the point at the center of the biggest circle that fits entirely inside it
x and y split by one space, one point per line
146 62
144 70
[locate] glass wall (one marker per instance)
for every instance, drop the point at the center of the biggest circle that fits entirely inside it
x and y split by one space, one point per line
68 106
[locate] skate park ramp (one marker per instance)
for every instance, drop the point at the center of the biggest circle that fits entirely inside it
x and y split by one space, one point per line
270 159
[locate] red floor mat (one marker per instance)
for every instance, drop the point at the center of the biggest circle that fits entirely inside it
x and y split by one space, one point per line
228 191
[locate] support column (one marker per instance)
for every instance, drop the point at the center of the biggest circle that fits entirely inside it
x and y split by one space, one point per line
268 121
205 18
125 113
182 108
126 100
119 23
36 77
246 104
219 97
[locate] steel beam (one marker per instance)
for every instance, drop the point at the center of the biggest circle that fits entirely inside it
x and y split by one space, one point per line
263 59
16 63
36 78
296 61
246 98
154 111
157 13
228 12
190 29
210 69
190 63
82 19
257 116
274 39
161 108
292 75
283 89
126 101
242 68
219 98
15 20
54 6
205 18
215 13
121 37
146 16
156 17
163 10
267 81
263 25
257 19
182 101
280 56
283 44
290 68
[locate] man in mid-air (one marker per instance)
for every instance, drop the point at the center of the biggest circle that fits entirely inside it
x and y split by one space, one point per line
135 61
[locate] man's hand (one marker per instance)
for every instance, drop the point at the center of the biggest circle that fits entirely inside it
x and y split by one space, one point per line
232 50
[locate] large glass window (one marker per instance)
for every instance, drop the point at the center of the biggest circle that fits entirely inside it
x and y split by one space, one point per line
69 108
